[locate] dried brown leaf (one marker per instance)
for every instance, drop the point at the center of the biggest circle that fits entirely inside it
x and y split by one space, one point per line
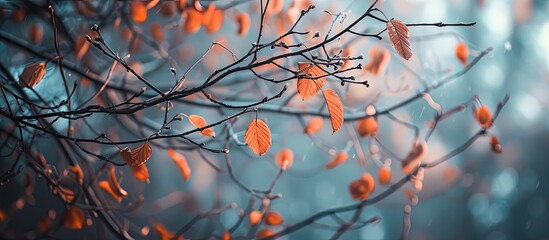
400 38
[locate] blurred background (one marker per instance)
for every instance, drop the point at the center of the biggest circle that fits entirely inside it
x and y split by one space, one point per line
476 195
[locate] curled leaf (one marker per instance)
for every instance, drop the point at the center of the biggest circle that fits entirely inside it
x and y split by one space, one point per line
136 156
400 38
200 122
107 188
32 74
314 125
310 85
258 137
339 158
112 187
362 188
414 158
335 108
181 162
67 193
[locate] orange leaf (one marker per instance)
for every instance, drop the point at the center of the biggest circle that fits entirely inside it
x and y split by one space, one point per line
415 157
138 11
384 175
73 218
216 22
36 33
462 53
68 194
115 186
362 188
32 74
194 20
200 122
157 32
141 172
484 117
112 187
243 21
285 158
340 158
367 127
164 233
81 47
314 125
273 218
379 59
207 14
107 188
263 233
78 174
258 137
308 87
335 108
136 156
255 217
400 38
181 162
